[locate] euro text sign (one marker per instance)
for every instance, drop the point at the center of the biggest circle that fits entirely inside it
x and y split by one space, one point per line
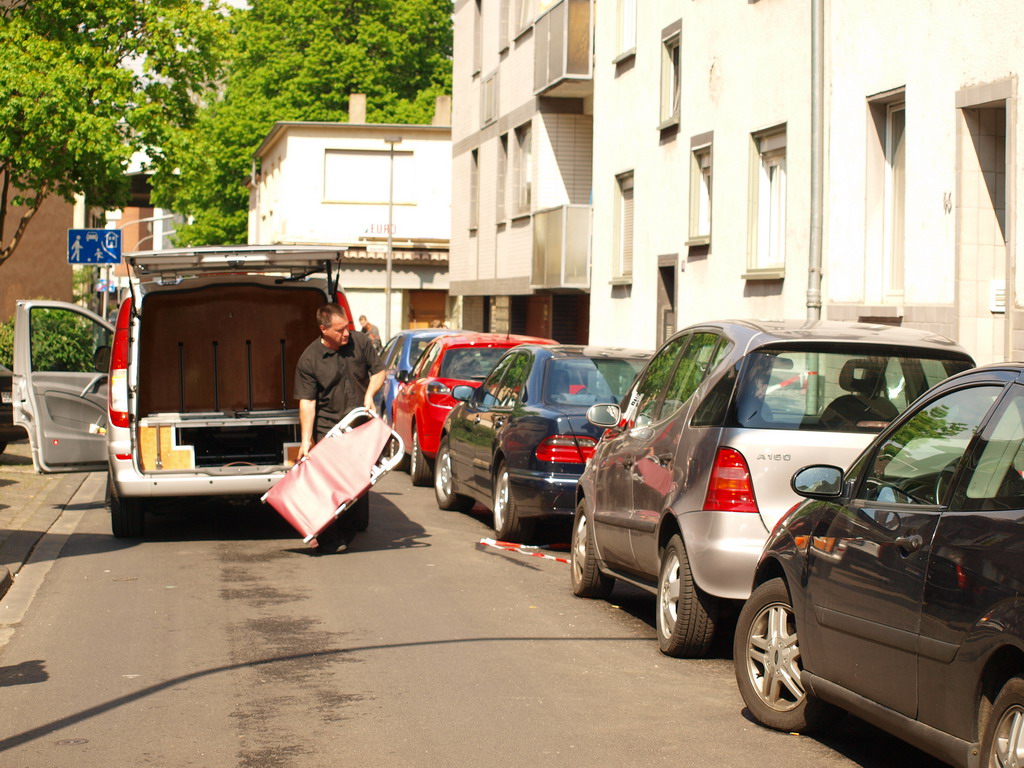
94 246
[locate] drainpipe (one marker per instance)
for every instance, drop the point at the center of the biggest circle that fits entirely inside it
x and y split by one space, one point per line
817 158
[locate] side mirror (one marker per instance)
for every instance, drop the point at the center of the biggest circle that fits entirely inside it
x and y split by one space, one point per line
403 377
101 359
819 481
463 392
605 415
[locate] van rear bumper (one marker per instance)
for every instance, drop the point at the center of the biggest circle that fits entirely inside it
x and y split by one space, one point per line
244 481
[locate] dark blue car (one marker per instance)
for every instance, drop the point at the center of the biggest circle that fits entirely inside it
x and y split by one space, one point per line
519 442
400 354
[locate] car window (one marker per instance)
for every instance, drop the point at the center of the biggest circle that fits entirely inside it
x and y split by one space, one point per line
995 478
820 388
515 379
392 352
646 393
915 464
416 347
487 394
426 359
64 340
469 362
694 365
586 381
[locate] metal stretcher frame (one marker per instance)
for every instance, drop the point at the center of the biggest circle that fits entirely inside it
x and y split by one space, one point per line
338 470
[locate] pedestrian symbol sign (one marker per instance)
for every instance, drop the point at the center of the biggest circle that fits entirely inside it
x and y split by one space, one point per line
94 246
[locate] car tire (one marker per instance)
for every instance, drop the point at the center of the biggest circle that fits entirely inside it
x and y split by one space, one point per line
686 616
1003 739
420 471
444 482
587 579
508 525
127 515
766 654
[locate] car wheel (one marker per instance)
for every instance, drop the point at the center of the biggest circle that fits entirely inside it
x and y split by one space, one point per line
508 525
1003 741
127 516
444 482
766 655
686 615
419 467
587 578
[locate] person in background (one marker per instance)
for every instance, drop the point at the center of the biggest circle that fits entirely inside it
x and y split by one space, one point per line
339 371
372 331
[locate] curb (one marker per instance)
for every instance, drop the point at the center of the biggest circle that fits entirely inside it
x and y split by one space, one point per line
17 548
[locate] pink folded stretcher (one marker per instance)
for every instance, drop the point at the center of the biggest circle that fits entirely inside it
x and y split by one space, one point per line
336 472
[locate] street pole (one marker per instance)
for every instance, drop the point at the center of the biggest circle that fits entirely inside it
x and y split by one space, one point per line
391 141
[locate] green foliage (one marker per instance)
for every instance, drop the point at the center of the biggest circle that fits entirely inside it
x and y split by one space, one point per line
300 60
7 343
84 85
62 341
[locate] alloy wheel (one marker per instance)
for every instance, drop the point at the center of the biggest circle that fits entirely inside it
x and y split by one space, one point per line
1008 743
773 658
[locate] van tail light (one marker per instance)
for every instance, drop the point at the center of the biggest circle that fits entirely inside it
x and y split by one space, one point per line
566 449
117 388
730 489
439 394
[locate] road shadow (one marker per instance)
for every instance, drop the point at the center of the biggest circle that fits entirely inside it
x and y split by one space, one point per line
26 673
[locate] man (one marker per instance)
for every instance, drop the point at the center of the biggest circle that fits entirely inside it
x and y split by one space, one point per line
372 331
337 372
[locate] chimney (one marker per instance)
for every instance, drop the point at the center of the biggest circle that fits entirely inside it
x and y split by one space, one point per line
357 107
442 111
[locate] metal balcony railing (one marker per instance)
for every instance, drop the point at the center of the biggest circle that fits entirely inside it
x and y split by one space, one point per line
564 49
561 247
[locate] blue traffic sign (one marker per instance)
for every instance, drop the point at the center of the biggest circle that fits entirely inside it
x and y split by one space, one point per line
94 246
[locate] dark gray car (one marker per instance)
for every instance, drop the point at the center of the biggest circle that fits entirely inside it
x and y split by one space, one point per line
693 471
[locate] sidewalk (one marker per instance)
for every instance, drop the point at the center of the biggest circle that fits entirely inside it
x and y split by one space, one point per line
29 505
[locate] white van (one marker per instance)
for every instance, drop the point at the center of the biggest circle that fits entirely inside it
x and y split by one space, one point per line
196 399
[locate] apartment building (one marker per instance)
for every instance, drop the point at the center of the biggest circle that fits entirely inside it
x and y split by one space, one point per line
522 133
352 184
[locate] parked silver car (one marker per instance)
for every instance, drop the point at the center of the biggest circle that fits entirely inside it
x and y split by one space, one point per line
694 467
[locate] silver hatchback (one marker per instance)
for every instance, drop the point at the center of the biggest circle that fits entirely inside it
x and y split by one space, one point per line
693 470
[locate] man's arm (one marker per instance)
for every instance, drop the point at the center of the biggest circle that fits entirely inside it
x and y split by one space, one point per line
307 420
376 380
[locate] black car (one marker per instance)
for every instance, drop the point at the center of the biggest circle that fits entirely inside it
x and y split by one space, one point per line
896 591
519 442
8 431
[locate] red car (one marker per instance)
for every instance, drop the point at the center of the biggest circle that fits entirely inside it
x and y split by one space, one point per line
424 396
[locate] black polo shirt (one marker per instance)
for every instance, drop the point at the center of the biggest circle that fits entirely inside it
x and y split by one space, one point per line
336 380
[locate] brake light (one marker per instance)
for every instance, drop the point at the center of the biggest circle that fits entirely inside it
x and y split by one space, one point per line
730 489
439 394
117 389
566 449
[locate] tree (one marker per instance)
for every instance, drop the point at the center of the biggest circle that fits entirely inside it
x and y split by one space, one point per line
300 60
85 85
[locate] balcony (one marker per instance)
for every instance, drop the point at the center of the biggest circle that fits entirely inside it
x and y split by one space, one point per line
561 248
564 50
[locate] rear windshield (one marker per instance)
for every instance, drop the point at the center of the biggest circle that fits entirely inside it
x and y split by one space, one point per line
469 362
837 391
585 380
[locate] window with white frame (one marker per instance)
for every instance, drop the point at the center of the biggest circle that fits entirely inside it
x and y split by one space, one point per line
700 191
499 202
524 169
504 17
895 197
768 203
670 73
626 27
489 99
478 36
474 189
622 252
523 14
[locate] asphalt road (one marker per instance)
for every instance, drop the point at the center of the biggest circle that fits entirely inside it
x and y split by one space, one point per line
219 641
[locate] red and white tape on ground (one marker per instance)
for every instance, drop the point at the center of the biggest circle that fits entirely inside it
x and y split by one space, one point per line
522 549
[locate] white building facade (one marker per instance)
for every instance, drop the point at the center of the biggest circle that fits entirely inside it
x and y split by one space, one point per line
350 184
